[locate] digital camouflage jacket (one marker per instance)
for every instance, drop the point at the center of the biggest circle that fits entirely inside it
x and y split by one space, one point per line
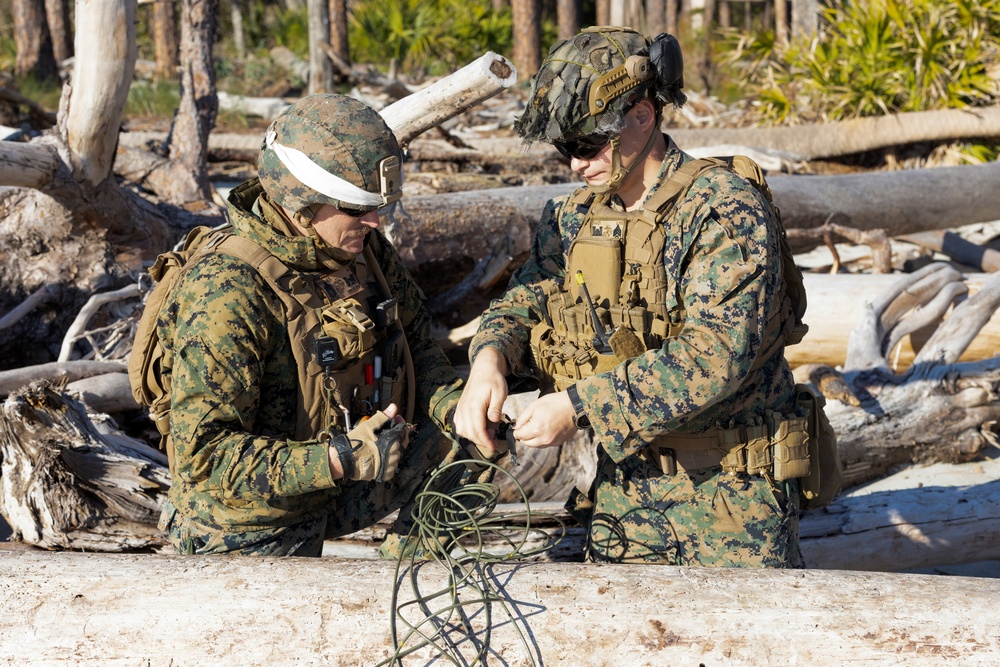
723 260
233 400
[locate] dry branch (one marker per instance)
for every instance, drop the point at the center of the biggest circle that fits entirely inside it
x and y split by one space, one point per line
56 372
832 317
78 329
447 97
938 410
43 294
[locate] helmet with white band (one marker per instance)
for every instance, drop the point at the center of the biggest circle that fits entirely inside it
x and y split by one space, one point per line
330 149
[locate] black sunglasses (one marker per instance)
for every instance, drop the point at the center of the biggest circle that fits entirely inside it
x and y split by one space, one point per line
582 148
357 211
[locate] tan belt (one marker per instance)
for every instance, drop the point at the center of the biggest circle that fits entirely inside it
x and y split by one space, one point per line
739 450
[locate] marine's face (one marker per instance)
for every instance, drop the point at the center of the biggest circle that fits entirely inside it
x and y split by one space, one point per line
598 169
342 230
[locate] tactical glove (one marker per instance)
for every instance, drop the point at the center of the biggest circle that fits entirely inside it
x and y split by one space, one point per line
371 451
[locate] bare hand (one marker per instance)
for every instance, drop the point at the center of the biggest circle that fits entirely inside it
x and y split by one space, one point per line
548 422
481 406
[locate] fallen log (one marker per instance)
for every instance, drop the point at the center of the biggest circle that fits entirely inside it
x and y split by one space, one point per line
882 418
466 224
832 317
857 135
147 609
71 480
56 372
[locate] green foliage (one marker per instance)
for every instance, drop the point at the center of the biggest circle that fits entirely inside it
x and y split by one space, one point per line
873 57
289 28
431 36
152 99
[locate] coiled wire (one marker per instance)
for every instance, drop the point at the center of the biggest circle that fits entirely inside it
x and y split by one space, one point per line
453 523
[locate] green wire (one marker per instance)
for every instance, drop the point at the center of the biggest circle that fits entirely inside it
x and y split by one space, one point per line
452 522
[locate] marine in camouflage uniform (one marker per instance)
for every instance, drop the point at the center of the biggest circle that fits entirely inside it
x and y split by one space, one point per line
246 477
723 267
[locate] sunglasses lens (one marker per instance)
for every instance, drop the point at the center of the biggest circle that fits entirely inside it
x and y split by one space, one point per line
356 211
583 148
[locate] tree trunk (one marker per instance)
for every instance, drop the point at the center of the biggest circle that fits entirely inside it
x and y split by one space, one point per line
338 30
143 609
527 52
236 9
320 69
33 40
187 172
165 41
805 18
781 21
568 16
57 15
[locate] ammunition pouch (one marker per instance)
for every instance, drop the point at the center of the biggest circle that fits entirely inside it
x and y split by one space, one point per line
781 448
778 449
826 475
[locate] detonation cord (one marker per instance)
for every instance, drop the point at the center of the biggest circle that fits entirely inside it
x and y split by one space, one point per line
453 523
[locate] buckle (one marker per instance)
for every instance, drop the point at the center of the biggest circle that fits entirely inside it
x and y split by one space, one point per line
668 461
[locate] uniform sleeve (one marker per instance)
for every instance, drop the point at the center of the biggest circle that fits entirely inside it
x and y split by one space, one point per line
507 323
438 385
729 276
226 329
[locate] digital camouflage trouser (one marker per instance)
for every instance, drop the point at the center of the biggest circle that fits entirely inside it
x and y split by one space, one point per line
694 517
361 504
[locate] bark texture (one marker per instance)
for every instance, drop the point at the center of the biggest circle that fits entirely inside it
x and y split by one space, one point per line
33 40
527 52
165 39
199 106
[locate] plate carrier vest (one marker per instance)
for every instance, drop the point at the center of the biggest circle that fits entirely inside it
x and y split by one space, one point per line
348 343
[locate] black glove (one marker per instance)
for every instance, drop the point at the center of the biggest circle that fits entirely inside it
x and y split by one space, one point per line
371 451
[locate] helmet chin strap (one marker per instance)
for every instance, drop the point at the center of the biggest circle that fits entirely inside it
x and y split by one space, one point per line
619 172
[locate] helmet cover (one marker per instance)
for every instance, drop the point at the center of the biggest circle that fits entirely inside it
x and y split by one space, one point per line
330 149
588 83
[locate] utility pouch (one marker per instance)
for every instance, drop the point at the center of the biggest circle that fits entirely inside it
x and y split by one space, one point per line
826 475
790 446
346 322
599 259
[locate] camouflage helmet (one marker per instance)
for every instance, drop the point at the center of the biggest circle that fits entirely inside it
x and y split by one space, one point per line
588 83
330 149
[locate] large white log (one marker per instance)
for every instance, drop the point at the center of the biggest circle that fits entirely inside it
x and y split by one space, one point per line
26 165
467 224
80 609
479 80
